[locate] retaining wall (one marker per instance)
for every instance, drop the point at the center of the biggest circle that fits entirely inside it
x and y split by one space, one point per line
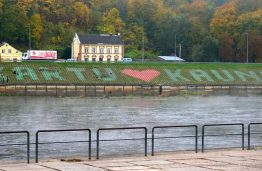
128 90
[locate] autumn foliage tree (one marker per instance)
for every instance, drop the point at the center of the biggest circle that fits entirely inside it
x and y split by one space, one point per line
208 30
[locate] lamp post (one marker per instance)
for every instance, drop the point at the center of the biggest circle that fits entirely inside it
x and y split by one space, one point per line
175 45
247 45
143 46
29 43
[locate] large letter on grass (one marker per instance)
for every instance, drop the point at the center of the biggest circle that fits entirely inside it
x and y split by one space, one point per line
78 73
50 74
111 75
199 75
228 75
22 72
243 76
175 76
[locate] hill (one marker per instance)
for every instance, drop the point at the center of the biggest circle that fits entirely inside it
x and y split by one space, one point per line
130 74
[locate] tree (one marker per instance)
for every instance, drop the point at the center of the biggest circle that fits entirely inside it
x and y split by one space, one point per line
224 18
210 47
226 51
111 22
133 37
36 28
245 6
13 24
1 6
249 21
80 15
196 10
254 47
24 6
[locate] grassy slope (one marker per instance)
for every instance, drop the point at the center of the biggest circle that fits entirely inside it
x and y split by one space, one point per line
164 79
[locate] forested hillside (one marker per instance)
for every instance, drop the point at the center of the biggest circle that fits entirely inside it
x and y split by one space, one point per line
208 30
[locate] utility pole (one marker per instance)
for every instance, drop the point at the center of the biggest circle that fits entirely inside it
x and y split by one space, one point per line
175 45
247 46
180 50
29 37
143 46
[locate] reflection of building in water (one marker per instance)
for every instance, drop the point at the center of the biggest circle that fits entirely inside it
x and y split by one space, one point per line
97 48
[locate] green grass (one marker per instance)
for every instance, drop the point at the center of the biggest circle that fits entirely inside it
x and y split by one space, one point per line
251 73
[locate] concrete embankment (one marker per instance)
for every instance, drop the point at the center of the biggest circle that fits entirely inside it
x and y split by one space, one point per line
126 90
235 160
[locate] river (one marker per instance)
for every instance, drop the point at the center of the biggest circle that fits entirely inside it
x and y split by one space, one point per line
41 113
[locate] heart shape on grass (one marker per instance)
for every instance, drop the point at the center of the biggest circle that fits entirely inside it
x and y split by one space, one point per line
144 75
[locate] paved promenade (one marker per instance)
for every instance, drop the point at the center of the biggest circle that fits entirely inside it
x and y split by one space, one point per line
235 160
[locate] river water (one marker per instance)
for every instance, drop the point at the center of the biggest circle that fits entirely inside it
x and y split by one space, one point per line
41 113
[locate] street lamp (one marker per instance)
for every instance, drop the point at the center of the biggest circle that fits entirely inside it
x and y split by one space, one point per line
247 45
175 45
29 39
143 46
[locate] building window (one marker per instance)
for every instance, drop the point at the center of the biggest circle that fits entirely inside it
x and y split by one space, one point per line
93 50
108 50
116 50
94 58
108 58
101 50
116 58
86 58
101 58
3 51
86 50
9 51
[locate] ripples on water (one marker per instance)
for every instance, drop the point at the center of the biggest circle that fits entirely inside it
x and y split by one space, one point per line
38 113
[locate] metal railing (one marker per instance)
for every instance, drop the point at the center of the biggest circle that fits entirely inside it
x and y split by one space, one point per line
27 139
222 125
126 128
177 126
249 132
145 138
62 130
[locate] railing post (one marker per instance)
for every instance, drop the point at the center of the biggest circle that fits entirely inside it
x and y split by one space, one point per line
97 144
28 147
196 139
243 137
248 136
36 147
153 141
145 141
203 138
89 146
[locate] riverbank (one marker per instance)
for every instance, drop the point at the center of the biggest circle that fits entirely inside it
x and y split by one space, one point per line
130 73
121 79
222 160
124 90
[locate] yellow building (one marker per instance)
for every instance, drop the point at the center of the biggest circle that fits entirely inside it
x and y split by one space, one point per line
9 53
97 48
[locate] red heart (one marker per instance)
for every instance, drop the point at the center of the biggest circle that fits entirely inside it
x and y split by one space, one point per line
145 75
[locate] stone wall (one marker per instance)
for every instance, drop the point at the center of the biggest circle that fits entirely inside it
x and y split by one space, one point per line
136 90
